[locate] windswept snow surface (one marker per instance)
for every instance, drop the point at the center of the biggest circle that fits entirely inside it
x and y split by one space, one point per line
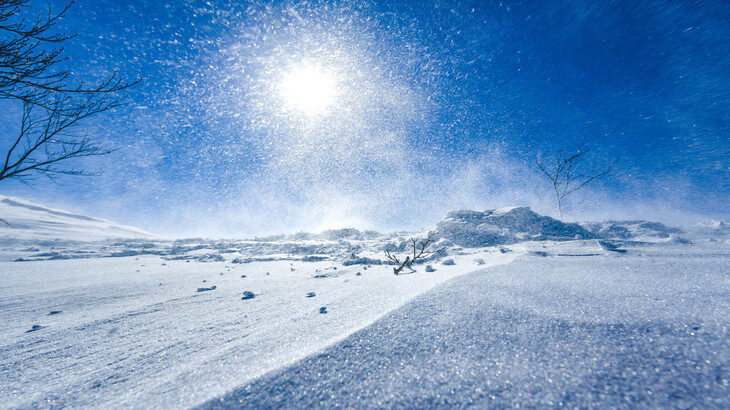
645 329
145 322
134 331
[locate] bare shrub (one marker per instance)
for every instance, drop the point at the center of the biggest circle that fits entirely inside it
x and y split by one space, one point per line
419 252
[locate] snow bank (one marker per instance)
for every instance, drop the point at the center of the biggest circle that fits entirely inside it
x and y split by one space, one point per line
504 226
715 230
518 224
638 229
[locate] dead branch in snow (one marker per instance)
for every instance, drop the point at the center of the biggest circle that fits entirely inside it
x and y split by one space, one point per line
419 249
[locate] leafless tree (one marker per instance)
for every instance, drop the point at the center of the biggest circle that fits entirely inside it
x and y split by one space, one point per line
52 105
419 252
567 173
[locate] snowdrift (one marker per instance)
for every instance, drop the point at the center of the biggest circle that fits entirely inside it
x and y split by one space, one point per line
505 226
518 224
24 220
632 230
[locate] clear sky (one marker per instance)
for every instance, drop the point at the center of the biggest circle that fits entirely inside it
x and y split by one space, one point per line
423 107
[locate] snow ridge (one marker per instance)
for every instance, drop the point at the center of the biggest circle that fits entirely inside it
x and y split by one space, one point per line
25 220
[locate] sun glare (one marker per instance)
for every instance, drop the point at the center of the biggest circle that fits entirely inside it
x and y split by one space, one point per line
309 89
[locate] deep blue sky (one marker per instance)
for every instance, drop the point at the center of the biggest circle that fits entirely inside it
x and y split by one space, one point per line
443 105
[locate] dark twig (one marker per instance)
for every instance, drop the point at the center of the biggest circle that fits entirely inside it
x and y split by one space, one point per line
419 249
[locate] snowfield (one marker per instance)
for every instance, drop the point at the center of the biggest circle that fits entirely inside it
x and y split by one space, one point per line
134 331
514 309
647 329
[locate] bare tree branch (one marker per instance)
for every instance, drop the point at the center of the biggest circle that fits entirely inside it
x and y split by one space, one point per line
566 175
45 140
53 106
419 249
28 70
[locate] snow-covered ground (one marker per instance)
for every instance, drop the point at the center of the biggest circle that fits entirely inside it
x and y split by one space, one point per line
140 321
643 329
134 331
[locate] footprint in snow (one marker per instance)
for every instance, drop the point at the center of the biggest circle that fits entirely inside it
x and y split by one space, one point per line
206 289
323 309
34 328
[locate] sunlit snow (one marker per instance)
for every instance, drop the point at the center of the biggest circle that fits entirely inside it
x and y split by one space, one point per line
247 240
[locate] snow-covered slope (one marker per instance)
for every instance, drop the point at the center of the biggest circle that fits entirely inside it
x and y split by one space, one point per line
25 220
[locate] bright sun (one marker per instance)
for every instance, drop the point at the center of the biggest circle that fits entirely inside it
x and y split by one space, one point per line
309 89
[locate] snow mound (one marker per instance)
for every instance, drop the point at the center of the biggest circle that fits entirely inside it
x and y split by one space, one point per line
504 226
23 220
639 229
716 224
715 230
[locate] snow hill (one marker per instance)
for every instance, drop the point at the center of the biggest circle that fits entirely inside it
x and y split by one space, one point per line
504 226
518 224
23 220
